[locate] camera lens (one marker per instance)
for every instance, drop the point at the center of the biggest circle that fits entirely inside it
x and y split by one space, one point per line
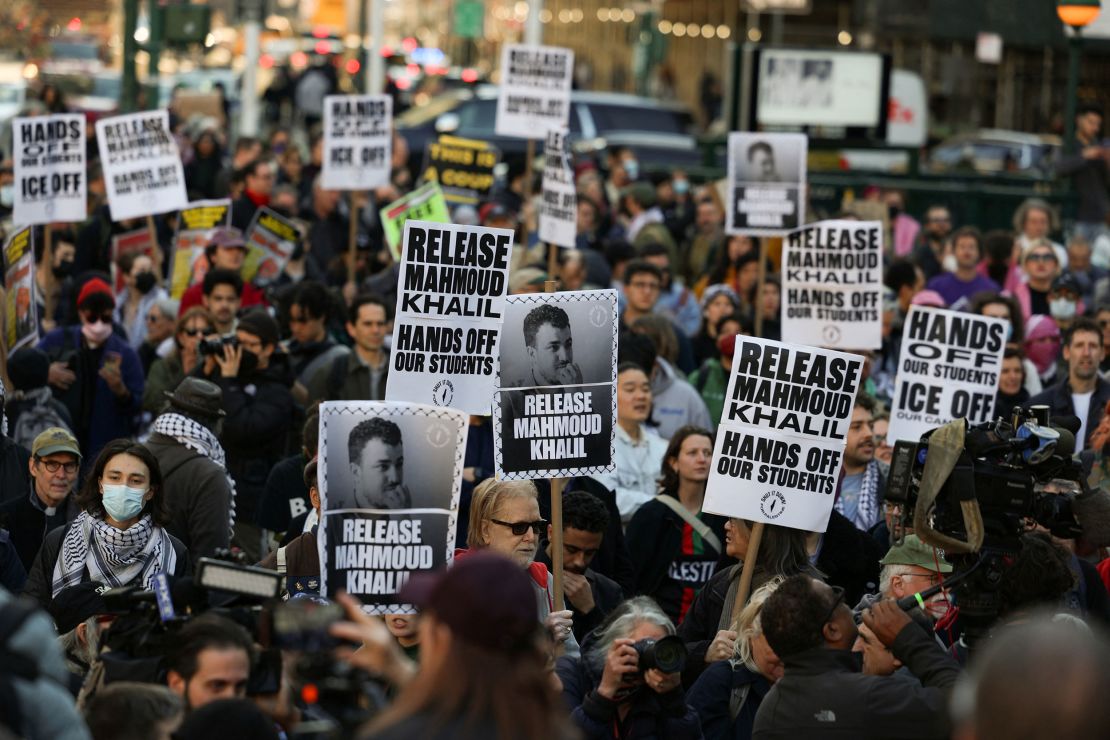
670 654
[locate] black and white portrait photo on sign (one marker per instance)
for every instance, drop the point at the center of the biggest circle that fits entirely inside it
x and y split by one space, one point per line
766 176
554 411
382 520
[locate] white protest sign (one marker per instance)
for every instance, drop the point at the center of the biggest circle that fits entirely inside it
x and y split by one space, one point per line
450 304
780 444
535 90
142 166
49 159
948 369
358 141
832 285
559 208
766 183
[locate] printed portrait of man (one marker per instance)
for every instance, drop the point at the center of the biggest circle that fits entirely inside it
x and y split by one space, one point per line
761 163
550 347
376 452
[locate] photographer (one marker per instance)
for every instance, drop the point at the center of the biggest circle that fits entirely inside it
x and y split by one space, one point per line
211 660
608 688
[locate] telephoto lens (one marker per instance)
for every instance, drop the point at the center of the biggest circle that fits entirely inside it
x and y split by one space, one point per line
667 654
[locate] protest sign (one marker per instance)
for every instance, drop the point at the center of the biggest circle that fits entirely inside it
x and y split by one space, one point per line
384 521
137 241
49 159
948 369
766 183
426 203
559 208
21 326
196 225
271 239
535 90
142 166
556 407
780 444
450 303
832 285
462 167
358 141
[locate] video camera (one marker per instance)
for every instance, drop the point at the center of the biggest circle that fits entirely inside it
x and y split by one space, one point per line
974 490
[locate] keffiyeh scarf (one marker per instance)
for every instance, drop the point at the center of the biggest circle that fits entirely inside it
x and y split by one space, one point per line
200 440
867 509
117 557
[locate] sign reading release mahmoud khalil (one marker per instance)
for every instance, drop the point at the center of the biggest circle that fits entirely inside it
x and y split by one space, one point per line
383 520
557 398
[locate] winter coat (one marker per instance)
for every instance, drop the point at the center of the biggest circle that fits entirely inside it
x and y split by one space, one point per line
28 523
1058 398
15 473
711 697
675 403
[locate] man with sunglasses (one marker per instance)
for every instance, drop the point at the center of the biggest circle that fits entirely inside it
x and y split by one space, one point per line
822 694
55 459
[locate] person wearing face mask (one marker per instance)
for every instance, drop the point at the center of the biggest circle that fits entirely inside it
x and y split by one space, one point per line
1064 302
119 537
141 291
54 280
1042 347
95 372
7 190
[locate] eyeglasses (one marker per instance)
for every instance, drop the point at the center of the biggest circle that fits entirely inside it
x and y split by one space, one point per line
53 465
1041 257
932 578
838 592
520 528
196 332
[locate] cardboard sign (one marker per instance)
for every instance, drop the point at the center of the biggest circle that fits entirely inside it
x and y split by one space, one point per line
271 239
50 176
138 241
426 203
832 288
535 90
556 403
780 444
142 165
559 208
766 183
450 304
384 521
948 369
196 226
21 321
358 141
462 167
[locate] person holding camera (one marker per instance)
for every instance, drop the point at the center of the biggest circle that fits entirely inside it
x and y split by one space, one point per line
628 680
166 373
225 251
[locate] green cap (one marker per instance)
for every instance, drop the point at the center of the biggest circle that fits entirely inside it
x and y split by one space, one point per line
913 551
55 439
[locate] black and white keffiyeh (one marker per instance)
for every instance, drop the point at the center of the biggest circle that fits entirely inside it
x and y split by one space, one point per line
118 557
199 439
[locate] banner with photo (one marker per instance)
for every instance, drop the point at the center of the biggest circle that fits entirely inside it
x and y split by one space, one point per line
534 94
832 285
196 225
450 303
766 183
142 165
780 444
358 141
426 203
48 154
559 206
384 521
462 167
948 369
21 320
138 241
556 407
271 240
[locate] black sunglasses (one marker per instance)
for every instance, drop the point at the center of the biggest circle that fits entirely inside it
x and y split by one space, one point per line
838 592
519 528
196 332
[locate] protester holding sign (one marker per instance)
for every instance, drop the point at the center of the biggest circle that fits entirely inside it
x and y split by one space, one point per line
143 174
20 315
357 141
766 175
559 209
535 90
50 172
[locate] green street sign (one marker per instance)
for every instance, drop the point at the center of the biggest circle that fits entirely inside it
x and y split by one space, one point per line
469 19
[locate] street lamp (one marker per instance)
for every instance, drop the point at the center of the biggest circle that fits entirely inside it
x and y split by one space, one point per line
1077 14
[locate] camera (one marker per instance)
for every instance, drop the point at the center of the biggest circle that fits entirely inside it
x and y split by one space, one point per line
667 654
215 345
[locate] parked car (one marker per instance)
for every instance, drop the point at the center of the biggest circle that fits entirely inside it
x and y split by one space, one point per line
990 151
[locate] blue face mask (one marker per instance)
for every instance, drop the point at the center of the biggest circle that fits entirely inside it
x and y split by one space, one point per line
632 169
122 502
681 187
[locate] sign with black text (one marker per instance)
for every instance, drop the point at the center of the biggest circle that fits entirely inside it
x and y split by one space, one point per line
358 141
559 207
832 287
142 166
384 521
556 406
766 183
21 325
49 168
450 303
271 239
534 94
948 369
462 167
780 444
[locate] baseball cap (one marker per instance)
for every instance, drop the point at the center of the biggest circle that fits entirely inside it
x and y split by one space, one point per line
228 237
74 604
485 599
1066 282
55 439
641 192
913 551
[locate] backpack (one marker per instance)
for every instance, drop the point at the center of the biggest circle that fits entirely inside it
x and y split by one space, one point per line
37 418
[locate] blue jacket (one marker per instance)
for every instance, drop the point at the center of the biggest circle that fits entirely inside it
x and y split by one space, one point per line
711 697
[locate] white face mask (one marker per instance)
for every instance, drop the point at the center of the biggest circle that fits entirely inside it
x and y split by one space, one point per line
7 195
1062 308
122 502
950 264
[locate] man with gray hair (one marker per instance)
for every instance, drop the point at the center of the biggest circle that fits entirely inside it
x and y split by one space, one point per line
160 319
913 567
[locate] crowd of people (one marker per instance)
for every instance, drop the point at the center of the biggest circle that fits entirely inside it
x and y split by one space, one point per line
145 432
